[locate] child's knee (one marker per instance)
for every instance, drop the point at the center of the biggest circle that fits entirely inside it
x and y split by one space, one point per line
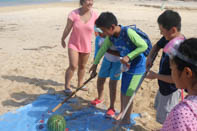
73 67
101 81
82 67
113 82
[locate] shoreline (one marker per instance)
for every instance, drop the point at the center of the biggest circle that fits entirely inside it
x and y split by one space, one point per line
181 5
5 9
31 2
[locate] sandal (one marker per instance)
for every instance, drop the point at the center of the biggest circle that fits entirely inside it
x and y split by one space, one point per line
96 102
110 113
68 91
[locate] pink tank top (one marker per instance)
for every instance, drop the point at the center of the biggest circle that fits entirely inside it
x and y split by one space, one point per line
81 35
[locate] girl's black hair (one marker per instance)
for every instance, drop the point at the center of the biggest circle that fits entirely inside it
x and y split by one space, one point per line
189 49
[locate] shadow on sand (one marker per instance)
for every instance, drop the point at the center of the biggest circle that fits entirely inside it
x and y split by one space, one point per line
22 98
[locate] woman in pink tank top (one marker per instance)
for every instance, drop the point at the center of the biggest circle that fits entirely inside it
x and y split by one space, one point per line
81 22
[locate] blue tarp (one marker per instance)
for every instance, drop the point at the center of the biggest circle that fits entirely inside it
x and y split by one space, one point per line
34 116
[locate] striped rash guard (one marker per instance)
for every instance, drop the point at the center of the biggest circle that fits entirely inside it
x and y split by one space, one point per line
133 48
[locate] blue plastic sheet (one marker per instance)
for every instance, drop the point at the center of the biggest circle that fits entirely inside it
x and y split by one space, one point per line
34 116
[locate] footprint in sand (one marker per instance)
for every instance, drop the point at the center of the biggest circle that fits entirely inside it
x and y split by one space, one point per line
40 48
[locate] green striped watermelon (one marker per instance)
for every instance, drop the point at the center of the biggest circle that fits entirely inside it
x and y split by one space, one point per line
56 123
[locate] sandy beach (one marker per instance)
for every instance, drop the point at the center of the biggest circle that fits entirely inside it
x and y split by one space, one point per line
33 62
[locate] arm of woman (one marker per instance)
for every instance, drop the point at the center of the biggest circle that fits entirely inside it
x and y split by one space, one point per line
67 30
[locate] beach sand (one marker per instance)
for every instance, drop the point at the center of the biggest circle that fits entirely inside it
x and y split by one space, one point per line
33 62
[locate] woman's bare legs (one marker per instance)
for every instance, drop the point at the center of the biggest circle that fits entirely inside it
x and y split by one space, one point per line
82 61
73 64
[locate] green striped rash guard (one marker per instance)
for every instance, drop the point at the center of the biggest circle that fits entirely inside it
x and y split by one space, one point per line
123 46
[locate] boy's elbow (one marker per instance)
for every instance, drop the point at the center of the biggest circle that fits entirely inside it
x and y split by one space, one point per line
145 47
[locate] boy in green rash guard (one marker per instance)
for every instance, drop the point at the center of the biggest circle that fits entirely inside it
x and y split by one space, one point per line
131 50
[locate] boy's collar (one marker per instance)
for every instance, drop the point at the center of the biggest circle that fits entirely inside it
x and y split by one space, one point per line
119 28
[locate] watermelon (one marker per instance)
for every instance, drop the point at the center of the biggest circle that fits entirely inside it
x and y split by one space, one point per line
56 123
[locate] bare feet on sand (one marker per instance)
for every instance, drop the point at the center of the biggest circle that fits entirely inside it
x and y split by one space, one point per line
117 117
123 122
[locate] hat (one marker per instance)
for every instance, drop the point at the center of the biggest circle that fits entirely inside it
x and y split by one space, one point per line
96 29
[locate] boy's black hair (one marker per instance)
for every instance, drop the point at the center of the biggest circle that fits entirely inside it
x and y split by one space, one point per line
169 19
189 49
106 19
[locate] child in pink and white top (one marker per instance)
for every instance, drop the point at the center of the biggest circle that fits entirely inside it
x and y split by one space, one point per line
183 62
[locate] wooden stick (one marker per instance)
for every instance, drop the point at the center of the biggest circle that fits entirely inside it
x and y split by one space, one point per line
73 93
117 127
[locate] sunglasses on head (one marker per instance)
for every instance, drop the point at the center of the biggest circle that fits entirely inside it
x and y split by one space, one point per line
172 50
